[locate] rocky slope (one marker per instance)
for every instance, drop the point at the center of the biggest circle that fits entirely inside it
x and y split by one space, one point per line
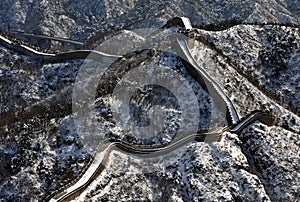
80 20
256 66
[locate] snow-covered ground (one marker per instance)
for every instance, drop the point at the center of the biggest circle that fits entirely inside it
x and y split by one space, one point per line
261 164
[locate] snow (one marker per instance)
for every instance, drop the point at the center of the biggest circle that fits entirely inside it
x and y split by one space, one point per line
258 165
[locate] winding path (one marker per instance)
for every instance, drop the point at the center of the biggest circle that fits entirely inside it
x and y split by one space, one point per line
59 100
54 58
213 88
97 164
51 38
234 124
